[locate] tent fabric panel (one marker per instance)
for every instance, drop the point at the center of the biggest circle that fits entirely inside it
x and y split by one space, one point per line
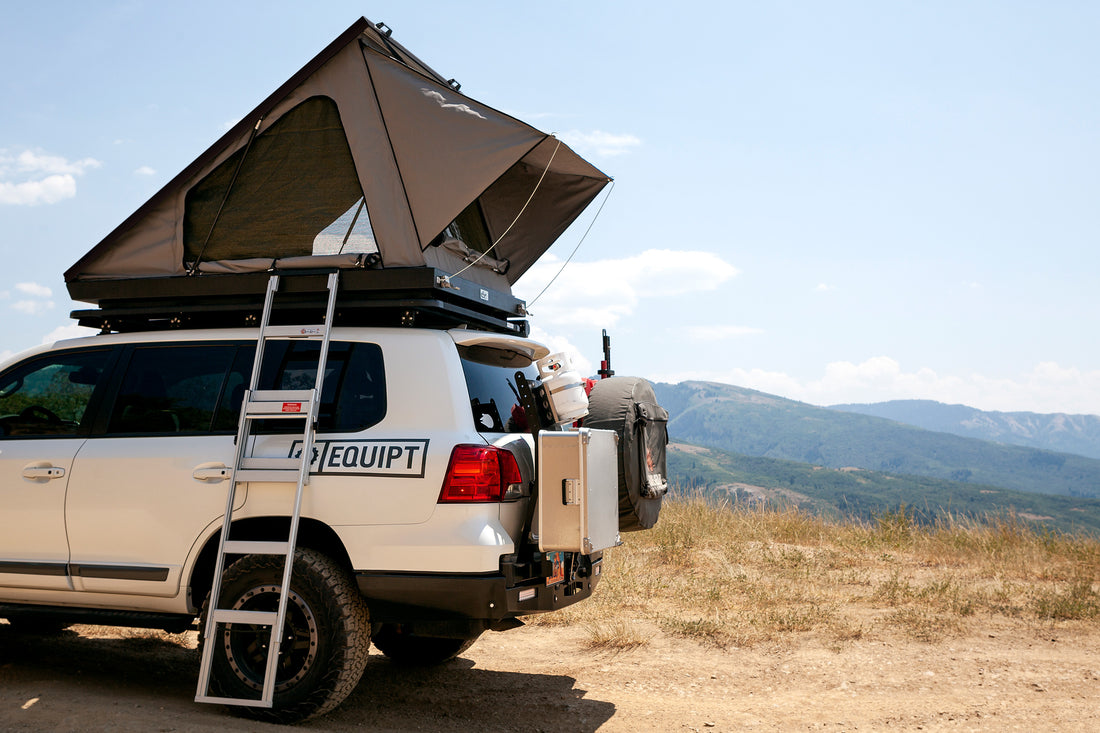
293 180
347 80
150 251
449 147
568 187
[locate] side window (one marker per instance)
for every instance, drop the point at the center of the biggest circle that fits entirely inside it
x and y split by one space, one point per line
171 389
354 394
49 396
494 398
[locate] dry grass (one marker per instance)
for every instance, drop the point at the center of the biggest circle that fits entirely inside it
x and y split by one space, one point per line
731 576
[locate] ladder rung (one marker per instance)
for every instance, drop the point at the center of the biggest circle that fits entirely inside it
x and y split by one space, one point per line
234 616
279 464
277 410
256 547
277 415
295 332
238 701
266 474
282 395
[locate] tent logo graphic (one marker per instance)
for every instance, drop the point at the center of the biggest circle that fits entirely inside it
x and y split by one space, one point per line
432 94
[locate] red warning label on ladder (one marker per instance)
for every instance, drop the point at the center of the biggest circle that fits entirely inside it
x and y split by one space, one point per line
292 407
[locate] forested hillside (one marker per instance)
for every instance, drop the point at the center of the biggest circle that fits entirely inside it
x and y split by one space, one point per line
865 495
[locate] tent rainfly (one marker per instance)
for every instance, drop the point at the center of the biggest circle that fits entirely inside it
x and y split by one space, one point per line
366 158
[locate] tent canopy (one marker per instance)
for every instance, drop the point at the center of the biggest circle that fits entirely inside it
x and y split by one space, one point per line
364 158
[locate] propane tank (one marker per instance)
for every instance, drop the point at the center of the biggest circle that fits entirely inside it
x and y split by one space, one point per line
564 388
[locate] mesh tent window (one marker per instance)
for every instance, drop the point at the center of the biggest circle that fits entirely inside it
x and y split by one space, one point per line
296 193
469 228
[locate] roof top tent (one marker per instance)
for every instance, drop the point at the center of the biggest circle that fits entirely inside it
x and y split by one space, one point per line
366 160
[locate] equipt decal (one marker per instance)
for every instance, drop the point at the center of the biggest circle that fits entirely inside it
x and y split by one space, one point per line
399 458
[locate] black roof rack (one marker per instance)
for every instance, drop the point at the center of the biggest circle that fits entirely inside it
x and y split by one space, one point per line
416 296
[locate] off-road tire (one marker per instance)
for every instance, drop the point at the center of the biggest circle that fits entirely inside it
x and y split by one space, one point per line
418 651
325 644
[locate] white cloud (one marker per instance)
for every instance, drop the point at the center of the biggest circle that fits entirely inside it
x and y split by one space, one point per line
35 289
69 331
32 307
1047 388
145 171
598 142
31 162
558 344
49 190
29 178
612 289
823 287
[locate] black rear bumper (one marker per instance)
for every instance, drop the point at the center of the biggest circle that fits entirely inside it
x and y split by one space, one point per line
482 600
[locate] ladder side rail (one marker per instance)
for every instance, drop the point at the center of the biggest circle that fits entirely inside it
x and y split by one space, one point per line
274 647
265 319
210 625
243 433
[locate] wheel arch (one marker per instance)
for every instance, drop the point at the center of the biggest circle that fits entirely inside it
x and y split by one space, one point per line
312 533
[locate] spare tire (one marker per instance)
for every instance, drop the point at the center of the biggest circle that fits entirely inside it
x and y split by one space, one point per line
628 406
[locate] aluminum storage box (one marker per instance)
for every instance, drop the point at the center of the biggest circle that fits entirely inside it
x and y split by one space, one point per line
578 500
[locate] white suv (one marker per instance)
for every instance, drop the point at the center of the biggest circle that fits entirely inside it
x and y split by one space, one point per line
115 455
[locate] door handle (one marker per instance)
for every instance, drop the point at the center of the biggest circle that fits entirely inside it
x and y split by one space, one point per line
43 473
212 473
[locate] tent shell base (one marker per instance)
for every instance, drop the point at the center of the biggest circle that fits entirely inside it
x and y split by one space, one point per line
419 297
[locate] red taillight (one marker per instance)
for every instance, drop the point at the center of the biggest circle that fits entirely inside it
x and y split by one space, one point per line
479 473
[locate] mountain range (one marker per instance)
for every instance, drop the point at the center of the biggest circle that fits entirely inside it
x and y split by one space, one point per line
755 424
1058 431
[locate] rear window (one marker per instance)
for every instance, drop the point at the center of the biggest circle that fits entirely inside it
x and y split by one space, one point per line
494 397
354 394
171 389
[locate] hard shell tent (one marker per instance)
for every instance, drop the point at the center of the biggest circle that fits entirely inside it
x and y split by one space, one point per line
366 158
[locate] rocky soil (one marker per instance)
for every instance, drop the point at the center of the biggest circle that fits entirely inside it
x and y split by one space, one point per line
1008 677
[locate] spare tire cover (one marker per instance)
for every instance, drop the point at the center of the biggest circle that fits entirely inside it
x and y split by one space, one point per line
628 406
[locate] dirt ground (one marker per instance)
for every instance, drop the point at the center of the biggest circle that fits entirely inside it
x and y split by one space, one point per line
543 679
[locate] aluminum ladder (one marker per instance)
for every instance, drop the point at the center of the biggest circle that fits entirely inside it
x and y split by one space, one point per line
266 405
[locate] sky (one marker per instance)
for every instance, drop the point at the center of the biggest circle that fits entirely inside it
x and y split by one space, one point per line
830 202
